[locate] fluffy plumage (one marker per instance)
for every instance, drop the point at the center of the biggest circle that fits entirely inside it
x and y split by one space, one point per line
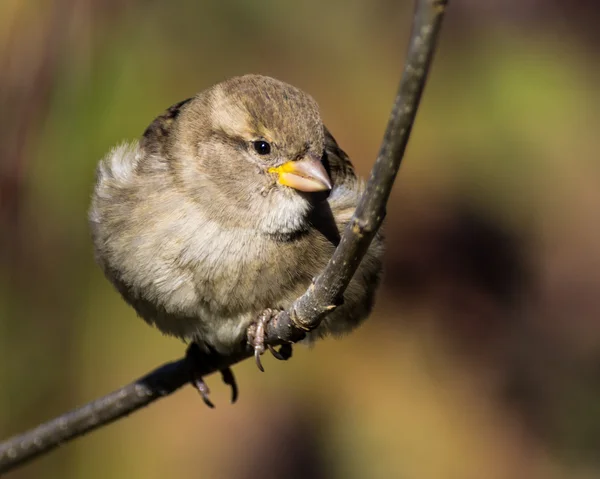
195 231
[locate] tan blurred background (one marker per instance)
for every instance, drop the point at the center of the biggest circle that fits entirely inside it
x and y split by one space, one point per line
482 359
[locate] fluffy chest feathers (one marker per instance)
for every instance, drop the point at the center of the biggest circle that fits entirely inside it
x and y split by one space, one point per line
236 271
162 251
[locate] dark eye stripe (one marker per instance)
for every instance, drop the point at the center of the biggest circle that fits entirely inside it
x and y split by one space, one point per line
235 141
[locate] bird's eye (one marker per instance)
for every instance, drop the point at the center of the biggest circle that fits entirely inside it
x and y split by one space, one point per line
262 147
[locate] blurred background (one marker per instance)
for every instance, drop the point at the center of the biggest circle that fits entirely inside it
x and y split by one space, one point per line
482 358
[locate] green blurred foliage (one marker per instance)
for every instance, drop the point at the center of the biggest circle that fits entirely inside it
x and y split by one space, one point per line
481 359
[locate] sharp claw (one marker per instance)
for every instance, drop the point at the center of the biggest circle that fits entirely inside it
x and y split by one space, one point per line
256 338
259 339
193 357
197 361
257 359
207 401
284 353
229 379
202 388
276 354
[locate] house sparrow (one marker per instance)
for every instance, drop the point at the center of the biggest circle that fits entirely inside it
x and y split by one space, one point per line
231 203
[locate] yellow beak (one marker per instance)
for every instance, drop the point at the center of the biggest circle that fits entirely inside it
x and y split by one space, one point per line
306 174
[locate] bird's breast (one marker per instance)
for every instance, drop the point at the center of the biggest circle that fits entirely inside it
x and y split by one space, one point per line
241 271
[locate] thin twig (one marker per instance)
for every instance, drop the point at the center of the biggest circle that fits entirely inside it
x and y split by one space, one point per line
308 310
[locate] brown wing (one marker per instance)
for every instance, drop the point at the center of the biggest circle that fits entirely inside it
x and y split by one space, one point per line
336 162
345 190
155 137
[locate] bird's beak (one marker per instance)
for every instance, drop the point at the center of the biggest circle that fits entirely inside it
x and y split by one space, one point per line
306 175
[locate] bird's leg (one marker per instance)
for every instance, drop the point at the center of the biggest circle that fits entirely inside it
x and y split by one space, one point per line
256 338
196 359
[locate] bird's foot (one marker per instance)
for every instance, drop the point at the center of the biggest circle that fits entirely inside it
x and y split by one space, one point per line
256 338
197 361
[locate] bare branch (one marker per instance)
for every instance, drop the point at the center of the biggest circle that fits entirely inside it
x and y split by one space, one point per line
308 310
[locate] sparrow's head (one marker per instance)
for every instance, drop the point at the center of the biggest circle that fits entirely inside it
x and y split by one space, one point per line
250 149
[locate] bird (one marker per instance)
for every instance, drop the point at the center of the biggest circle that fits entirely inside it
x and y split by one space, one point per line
226 209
